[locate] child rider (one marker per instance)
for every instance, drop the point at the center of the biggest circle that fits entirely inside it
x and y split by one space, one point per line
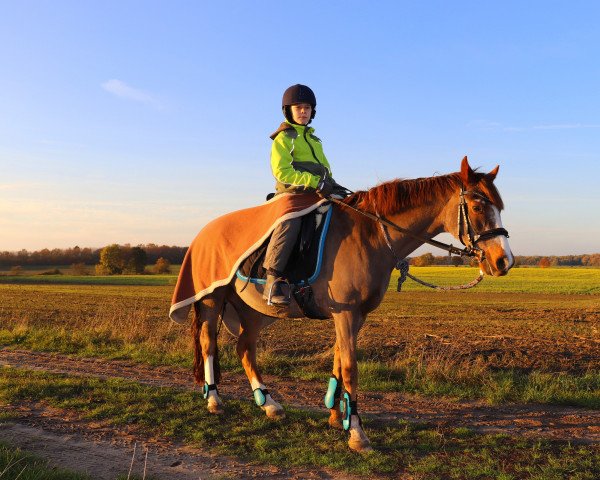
298 165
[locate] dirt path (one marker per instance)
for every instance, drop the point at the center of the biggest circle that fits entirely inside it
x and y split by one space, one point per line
104 452
536 421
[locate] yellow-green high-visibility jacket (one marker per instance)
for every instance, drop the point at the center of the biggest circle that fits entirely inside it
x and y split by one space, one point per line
297 159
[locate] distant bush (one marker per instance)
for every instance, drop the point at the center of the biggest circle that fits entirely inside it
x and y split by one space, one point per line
456 261
54 271
544 262
16 270
111 260
101 270
80 269
116 259
135 259
424 260
162 266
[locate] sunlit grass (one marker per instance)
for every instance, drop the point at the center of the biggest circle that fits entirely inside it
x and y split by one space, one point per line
18 464
502 347
560 280
302 438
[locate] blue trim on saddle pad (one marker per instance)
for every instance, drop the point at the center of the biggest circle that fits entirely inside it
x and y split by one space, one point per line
262 281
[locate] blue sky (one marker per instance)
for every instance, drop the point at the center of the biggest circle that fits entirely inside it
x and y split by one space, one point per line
138 122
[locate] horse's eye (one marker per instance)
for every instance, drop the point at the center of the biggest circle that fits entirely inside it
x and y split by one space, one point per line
477 208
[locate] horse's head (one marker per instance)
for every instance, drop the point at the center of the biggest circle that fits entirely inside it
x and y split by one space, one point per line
478 223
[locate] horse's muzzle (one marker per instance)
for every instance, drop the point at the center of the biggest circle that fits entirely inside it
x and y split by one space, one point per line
497 267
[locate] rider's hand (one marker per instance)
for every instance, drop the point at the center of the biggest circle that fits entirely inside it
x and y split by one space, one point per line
325 187
340 191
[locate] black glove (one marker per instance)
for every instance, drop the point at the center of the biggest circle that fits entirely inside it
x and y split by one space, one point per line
325 187
339 191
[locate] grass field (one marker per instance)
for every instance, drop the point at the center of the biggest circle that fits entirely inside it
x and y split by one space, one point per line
17 464
561 280
468 344
533 336
303 439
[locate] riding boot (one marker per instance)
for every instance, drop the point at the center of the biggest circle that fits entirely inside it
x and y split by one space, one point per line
277 291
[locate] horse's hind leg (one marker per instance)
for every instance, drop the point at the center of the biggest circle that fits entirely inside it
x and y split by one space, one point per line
206 355
334 391
246 349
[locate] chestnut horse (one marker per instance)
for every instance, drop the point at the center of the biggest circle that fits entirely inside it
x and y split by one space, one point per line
357 263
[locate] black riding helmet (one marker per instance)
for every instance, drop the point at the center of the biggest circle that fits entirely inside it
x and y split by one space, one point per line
298 94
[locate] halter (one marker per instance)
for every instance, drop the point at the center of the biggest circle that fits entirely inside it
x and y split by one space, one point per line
465 226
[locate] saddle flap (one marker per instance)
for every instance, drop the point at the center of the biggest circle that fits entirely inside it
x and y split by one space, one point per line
304 263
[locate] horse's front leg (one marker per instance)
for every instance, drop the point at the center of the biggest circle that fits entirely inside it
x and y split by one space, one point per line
347 325
246 350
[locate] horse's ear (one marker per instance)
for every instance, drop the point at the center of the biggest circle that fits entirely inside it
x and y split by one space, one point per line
466 172
493 173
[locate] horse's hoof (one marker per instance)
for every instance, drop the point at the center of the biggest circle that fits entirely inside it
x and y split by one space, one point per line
336 422
275 414
360 445
215 409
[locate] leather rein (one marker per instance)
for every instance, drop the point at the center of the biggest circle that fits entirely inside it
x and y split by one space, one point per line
465 229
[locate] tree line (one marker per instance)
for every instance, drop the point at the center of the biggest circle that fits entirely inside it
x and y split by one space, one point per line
131 258
87 256
585 260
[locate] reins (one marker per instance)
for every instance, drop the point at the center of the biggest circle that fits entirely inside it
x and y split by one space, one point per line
470 250
451 249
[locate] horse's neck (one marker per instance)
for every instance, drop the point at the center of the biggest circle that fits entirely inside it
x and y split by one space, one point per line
426 221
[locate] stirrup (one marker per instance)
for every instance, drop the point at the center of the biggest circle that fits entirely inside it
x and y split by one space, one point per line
287 300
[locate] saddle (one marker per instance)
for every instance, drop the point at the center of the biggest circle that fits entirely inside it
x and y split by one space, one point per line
304 264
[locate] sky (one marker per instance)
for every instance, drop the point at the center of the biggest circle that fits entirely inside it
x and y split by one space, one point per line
140 121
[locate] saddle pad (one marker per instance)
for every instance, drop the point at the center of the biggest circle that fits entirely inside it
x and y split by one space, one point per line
305 263
222 245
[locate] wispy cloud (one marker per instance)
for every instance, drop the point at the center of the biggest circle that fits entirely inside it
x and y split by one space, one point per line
488 125
122 90
566 126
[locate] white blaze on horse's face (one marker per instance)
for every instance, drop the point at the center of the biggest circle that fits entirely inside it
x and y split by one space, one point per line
485 216
502 241
483 225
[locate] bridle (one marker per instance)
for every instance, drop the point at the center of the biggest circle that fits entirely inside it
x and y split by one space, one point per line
465 227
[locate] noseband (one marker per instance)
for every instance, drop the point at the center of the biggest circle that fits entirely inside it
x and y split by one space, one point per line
465 227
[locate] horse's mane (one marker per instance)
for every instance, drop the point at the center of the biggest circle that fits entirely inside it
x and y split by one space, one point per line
391 197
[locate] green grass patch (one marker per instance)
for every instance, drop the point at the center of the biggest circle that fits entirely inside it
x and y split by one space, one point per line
432 378
526 347
559 280
18 464
302 439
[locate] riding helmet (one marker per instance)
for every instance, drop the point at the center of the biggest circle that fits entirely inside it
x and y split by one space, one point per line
298 94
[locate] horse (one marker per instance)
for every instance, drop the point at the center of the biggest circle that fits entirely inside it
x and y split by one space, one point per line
358 259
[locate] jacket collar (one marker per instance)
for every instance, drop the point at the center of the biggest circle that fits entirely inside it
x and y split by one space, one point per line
288 125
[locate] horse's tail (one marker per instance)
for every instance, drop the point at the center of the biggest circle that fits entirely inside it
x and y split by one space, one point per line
198 358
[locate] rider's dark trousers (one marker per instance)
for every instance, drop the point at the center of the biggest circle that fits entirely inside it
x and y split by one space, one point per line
281 245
